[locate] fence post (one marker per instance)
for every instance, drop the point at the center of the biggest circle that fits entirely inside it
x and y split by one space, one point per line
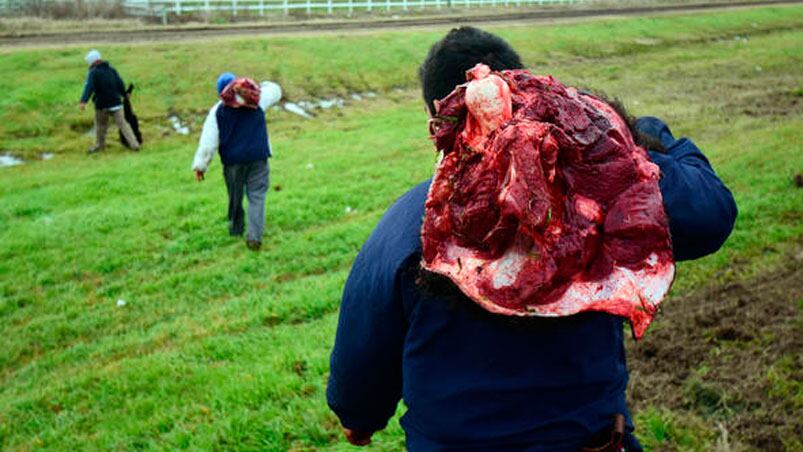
387 5
404 5
329 6
234 8
286 8
261 7
351 7
309 7
370 5
178 7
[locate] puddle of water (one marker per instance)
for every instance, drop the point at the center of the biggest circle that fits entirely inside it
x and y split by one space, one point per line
180 128
305 108
294 108
9 160
326 104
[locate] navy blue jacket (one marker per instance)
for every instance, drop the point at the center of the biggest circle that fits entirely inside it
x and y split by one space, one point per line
243 135
476 381
104 86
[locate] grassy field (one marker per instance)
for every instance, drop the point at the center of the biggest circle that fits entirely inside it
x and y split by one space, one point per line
217 347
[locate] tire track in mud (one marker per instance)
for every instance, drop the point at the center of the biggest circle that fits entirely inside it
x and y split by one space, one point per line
539 16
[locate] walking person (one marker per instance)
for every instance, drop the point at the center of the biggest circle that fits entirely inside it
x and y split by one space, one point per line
106 89
235 127
474 380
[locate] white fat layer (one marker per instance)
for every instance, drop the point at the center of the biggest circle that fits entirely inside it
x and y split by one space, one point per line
506 269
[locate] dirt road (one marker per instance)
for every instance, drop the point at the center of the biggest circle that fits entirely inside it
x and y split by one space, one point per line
151 34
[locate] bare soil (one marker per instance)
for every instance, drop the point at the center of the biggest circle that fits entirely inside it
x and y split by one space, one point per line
731 355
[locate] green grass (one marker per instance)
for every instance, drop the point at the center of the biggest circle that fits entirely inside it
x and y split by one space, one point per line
219 347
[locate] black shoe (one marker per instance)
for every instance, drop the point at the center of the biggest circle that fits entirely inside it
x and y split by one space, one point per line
253 245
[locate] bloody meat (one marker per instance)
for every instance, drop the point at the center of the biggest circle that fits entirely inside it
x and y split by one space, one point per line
542 204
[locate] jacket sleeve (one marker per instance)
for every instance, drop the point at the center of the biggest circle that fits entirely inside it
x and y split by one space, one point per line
269 94
700 207
89 88
208 143
365 378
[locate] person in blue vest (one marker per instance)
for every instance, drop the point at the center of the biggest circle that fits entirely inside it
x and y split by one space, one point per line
235 127
476 381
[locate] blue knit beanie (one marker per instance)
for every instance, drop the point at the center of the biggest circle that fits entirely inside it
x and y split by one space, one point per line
223 80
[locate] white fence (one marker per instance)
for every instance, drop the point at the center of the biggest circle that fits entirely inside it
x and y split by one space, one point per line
164 8
262 7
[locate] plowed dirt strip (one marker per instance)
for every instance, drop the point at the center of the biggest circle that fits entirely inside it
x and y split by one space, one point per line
731 353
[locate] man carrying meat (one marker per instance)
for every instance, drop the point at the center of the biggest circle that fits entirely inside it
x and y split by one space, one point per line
105 87
235 127
476 380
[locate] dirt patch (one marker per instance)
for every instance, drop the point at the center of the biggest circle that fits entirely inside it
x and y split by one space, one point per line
771 103
731 355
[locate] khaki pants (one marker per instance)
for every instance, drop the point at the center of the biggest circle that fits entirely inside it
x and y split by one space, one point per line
102 126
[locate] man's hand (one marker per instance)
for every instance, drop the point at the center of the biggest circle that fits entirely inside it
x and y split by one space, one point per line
357 437
199 175
82 106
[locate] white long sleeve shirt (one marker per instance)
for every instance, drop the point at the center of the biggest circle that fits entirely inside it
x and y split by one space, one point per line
270 94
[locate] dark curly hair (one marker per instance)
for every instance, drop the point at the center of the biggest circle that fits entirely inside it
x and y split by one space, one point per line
460 50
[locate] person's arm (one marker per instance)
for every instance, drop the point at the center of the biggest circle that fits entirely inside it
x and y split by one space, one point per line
89 88
700 207
365 376
207 144
270 93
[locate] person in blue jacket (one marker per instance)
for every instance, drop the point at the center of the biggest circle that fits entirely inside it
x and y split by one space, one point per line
106 89
235 128
476 381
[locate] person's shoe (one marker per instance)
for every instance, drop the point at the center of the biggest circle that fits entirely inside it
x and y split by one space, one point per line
253 245
94 149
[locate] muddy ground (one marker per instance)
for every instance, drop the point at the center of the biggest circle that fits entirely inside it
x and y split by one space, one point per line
732 356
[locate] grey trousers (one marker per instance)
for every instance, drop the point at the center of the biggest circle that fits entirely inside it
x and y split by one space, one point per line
250 179
102 126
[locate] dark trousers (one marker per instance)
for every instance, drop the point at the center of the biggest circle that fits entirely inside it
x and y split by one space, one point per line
250 179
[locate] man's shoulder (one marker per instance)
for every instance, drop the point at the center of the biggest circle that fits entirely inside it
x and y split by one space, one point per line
397 235
412 201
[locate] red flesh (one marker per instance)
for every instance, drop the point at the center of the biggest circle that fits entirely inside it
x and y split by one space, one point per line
543 205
